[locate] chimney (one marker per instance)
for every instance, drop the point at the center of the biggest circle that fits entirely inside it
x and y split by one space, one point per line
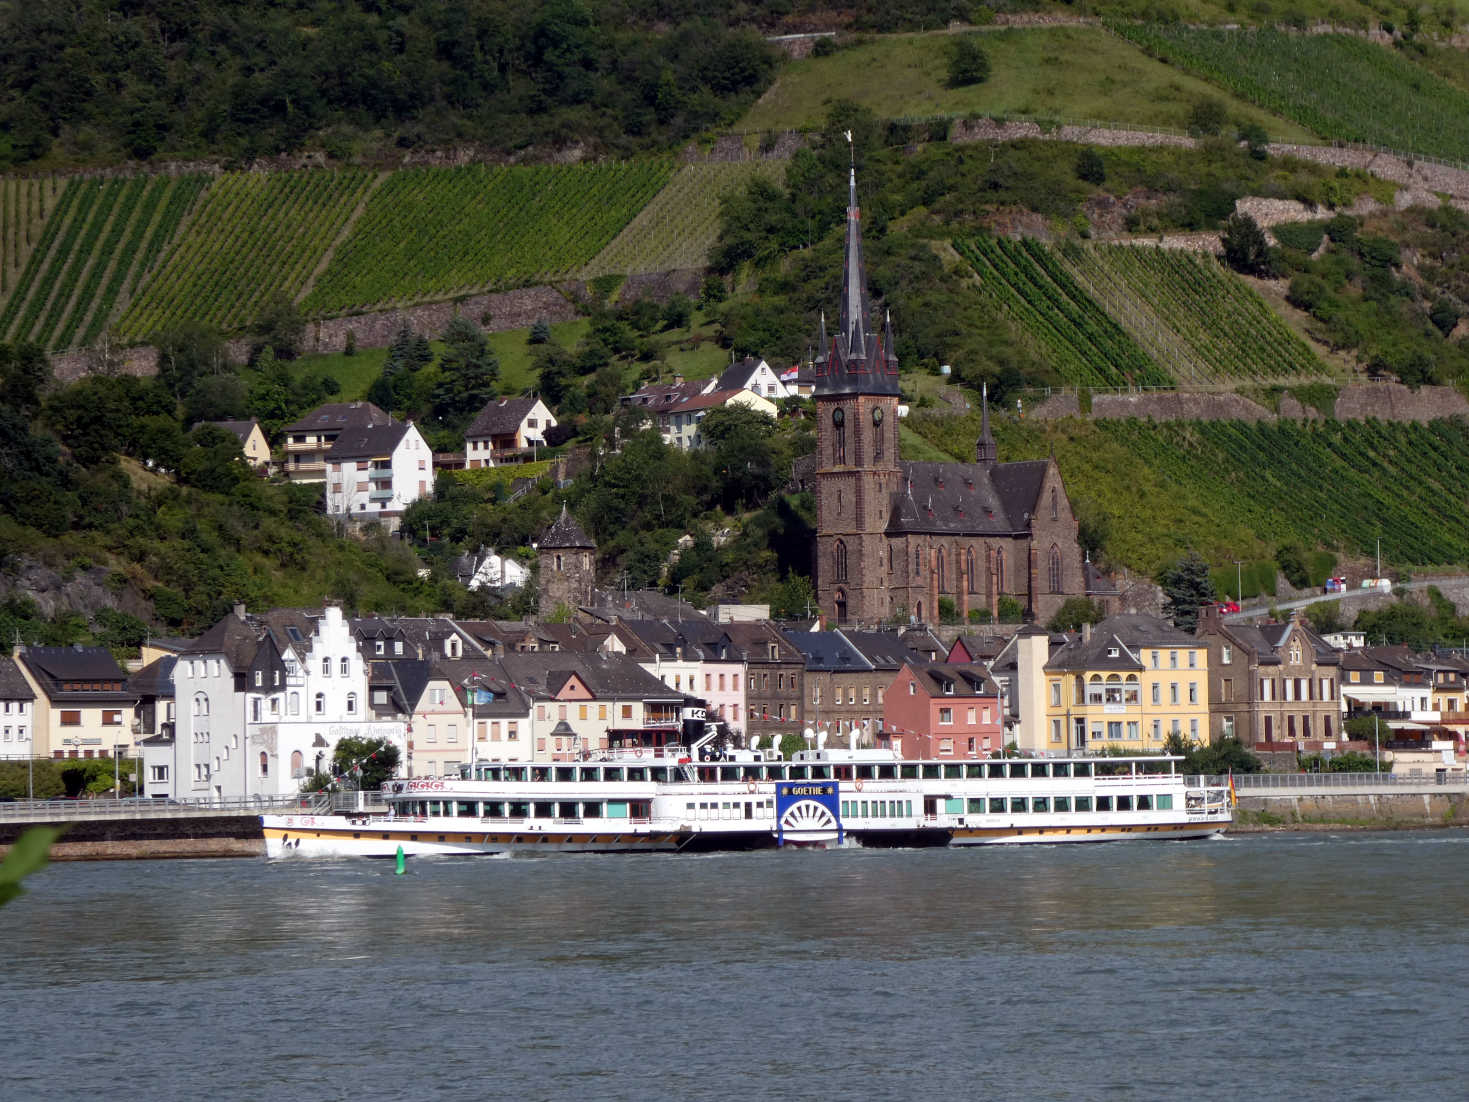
239 612
1086 632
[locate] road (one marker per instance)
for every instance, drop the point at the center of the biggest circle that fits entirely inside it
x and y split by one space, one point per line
1260 608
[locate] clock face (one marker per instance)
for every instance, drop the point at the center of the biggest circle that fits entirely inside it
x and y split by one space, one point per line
877 415
838 416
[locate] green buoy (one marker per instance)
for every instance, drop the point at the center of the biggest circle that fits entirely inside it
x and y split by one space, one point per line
401 862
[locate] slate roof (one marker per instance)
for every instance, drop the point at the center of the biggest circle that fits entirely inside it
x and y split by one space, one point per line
828 651
13 685
884 650
615 676
737 375
967 498
406 678
660 396
697 640
55 667
643 604
338 416
1266 641
367 441
1128 633
565 532
232 637
712 400
155 679
467 674
502 417
968 678
753 639
241 429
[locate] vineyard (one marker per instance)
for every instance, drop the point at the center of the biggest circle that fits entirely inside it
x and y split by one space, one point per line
436 232
251 235
679 227
1239 490
1029 283
24 207
1190 314
1340 86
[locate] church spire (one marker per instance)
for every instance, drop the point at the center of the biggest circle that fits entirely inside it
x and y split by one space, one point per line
985 451
858 361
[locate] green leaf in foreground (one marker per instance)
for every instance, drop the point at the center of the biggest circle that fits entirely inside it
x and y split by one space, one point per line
29 854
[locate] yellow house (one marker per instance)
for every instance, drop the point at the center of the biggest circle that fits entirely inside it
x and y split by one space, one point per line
1129 682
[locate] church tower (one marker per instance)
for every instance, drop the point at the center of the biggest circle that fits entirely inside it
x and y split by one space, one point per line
568 566
856 396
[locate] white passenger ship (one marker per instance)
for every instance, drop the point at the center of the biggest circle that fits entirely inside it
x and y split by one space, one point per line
645 795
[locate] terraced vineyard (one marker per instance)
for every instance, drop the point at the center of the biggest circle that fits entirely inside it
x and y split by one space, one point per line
251 235
1030 284
679 227
1339 86
1200 321
436 232
24 207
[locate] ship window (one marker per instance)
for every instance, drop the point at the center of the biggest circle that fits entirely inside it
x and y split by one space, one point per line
591 811
1040 803
468 809
976 806
997 805
1082 768
1165 802
1124 803
1061 803
1017 805
1145 803
544 809
1104 803
1083 803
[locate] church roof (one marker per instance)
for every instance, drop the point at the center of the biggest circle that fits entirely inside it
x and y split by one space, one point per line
565 532
967 498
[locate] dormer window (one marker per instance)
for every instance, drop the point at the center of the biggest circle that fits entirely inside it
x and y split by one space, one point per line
1113 652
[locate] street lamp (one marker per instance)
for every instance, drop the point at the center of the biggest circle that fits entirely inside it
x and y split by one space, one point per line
1239 581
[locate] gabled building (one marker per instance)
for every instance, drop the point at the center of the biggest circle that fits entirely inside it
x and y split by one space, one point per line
1271 683
679 424
756 376
376 471
943 710
499 710
1129 682
308 440
253 445
82 705
505 427
154 716
847 677
17 712
774 679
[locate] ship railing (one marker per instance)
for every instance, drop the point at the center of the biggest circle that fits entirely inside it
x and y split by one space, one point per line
640 820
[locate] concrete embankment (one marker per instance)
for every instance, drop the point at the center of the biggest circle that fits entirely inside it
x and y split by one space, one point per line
1352 811
134 839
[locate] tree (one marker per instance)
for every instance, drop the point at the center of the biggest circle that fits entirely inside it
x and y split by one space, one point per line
468 371
1256 140
678 311
362 763
540 332
1325 617
968 63
280 326
1089 166
743 463
1207 117
187 353
1074 612
1187 588
1245 247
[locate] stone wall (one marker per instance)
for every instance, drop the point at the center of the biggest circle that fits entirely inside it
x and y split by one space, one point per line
1395 402
1358 402
1363 811
126 839
1179 406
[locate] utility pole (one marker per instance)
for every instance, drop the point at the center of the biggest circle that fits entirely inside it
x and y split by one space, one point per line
1239 581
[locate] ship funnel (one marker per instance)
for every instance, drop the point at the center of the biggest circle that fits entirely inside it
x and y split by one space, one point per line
821 739
852 740
754 742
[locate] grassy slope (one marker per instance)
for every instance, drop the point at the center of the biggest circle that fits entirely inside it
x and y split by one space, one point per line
1061 73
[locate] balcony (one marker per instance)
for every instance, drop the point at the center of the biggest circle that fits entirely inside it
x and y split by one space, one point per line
378 474
380 494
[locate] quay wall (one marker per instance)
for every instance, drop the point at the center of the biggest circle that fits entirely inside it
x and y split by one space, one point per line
1351 811
136 839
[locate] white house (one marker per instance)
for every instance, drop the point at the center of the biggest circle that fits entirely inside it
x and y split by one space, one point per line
17 700
506 425
377 471
679 423
754 375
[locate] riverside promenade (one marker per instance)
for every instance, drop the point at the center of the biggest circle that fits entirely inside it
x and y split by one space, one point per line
1348 801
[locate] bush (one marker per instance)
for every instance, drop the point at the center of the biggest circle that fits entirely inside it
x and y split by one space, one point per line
1207 117
1089 166
1010 611
968 63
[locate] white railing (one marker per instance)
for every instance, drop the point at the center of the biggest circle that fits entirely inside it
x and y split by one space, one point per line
62 810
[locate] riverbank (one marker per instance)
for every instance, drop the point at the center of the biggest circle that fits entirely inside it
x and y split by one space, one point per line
1351 811
146 839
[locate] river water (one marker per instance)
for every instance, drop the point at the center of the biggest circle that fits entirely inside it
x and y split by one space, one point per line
1294 966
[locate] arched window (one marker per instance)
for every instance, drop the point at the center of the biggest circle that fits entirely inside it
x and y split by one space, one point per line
558 561
969 578
294 705
918 611
297 765
839 561
346 666
1055 571
201 704
1000 569
890 558
917 562
939 566
838 436
1131 692
320 704
351 704
840 600
264 764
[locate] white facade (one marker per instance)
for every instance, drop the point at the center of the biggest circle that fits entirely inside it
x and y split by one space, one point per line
766 383
679 426
368 485
207 760
17 729
498 572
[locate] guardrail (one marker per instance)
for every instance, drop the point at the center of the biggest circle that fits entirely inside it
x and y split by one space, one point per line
1266 783
147 808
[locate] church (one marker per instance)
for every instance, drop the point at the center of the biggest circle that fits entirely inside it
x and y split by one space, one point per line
895 538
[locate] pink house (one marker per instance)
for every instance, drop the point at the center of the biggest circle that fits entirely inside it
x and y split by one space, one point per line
943 710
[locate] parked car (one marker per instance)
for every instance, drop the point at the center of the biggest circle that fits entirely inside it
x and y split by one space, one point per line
1336 585
1228 606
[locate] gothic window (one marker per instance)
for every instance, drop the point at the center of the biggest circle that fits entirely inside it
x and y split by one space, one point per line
841 607
558 563
839 561
940 569
890 558
297 764
838 436
969 570
1053 503
1055 569
1000 569
917 562
877 433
